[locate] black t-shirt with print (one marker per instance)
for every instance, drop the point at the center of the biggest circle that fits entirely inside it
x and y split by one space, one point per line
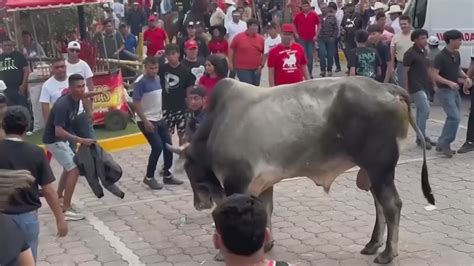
11 69
62 114
20 155
12 241
197 68
174 82
365 60
351 24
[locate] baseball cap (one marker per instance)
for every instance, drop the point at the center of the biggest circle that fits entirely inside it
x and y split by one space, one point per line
197 90
191 44
74 45
287 27
152 18
433 40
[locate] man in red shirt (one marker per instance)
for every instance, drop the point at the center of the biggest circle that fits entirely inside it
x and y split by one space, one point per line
155 38
246 54
307 26
287 62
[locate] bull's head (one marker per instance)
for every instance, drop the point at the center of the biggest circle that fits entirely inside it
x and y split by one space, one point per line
206 188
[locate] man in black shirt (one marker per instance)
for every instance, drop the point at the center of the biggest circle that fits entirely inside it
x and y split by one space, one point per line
351 22
58 131
15 154
469 144
363 61
447 71
14 71
417 80
136 18
192 61
176 79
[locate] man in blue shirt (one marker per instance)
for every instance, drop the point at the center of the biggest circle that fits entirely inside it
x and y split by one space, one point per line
147 102
130 43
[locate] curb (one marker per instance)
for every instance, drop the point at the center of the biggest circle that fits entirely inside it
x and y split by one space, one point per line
120 143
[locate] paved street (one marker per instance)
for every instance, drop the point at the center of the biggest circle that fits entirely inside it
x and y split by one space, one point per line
310 226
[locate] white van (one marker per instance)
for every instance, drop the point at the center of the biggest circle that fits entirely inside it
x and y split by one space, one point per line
438 16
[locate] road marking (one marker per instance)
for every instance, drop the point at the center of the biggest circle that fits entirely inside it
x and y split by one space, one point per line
114 241
442 123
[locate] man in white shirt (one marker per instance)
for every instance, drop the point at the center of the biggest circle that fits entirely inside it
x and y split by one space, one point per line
119 10
230 7
272 40
401 42
395 12
218 16
235 27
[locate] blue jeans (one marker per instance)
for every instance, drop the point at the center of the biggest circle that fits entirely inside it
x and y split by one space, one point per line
422 109
400 74
248 76
157 140
29 224
308 50
450 101
327 48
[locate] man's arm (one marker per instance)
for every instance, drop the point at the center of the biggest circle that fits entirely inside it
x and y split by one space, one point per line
25 258
305 71
405 76
87 102
53 201
45 110
231 58
438 78
271 76
24 84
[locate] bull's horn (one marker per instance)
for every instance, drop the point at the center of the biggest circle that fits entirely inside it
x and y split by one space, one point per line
177 150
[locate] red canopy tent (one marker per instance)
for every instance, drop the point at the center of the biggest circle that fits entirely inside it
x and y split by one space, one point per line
17 5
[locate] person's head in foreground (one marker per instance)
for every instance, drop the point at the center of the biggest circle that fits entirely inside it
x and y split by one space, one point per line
196 98
241 230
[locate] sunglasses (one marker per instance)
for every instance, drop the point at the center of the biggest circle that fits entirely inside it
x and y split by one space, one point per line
74 51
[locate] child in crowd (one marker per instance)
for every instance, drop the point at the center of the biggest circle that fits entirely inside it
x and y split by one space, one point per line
363 61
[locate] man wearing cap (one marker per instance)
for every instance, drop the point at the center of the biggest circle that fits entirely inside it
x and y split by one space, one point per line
230 7
246 54
14 71
287 62
155 37
395 12
192 61
378 7
351 22
273 38
307 25
192 35
136 19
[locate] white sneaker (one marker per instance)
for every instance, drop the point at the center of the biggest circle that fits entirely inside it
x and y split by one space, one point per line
73 215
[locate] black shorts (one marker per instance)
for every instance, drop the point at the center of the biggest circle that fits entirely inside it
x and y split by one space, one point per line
175 119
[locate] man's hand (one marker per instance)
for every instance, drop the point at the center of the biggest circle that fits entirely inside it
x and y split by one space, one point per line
148 126
231 67
87 142
62 228
453 85
467 86
160 53
22 89
259 70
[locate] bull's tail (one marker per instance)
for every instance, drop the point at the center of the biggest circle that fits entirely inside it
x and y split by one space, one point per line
425 183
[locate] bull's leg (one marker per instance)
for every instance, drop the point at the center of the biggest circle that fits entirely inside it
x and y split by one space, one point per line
387 195
376 241
267 198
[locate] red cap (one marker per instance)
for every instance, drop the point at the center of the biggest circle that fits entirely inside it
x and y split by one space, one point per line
152 18
191 44
287 28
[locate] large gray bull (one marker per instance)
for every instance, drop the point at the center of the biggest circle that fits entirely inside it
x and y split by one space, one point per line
255 137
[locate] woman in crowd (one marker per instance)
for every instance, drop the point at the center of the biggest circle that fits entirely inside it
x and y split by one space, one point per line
216 69
218 44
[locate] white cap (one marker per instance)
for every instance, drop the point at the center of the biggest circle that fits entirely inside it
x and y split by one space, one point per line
433 40
229 2
74 45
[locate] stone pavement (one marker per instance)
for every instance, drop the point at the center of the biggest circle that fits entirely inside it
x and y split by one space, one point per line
310 226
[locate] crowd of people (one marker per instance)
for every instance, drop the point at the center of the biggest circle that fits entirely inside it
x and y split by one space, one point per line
180 73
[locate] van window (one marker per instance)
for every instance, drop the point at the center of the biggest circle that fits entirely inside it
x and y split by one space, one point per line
416 9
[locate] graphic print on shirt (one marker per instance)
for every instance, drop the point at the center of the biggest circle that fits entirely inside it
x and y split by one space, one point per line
171 81
366 63
198 72
289 63
8 64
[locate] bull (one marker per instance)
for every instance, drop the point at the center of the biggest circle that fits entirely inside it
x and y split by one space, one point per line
255 137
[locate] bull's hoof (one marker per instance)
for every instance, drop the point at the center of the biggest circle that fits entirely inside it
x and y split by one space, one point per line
219 257
269 246
385 257
370 248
